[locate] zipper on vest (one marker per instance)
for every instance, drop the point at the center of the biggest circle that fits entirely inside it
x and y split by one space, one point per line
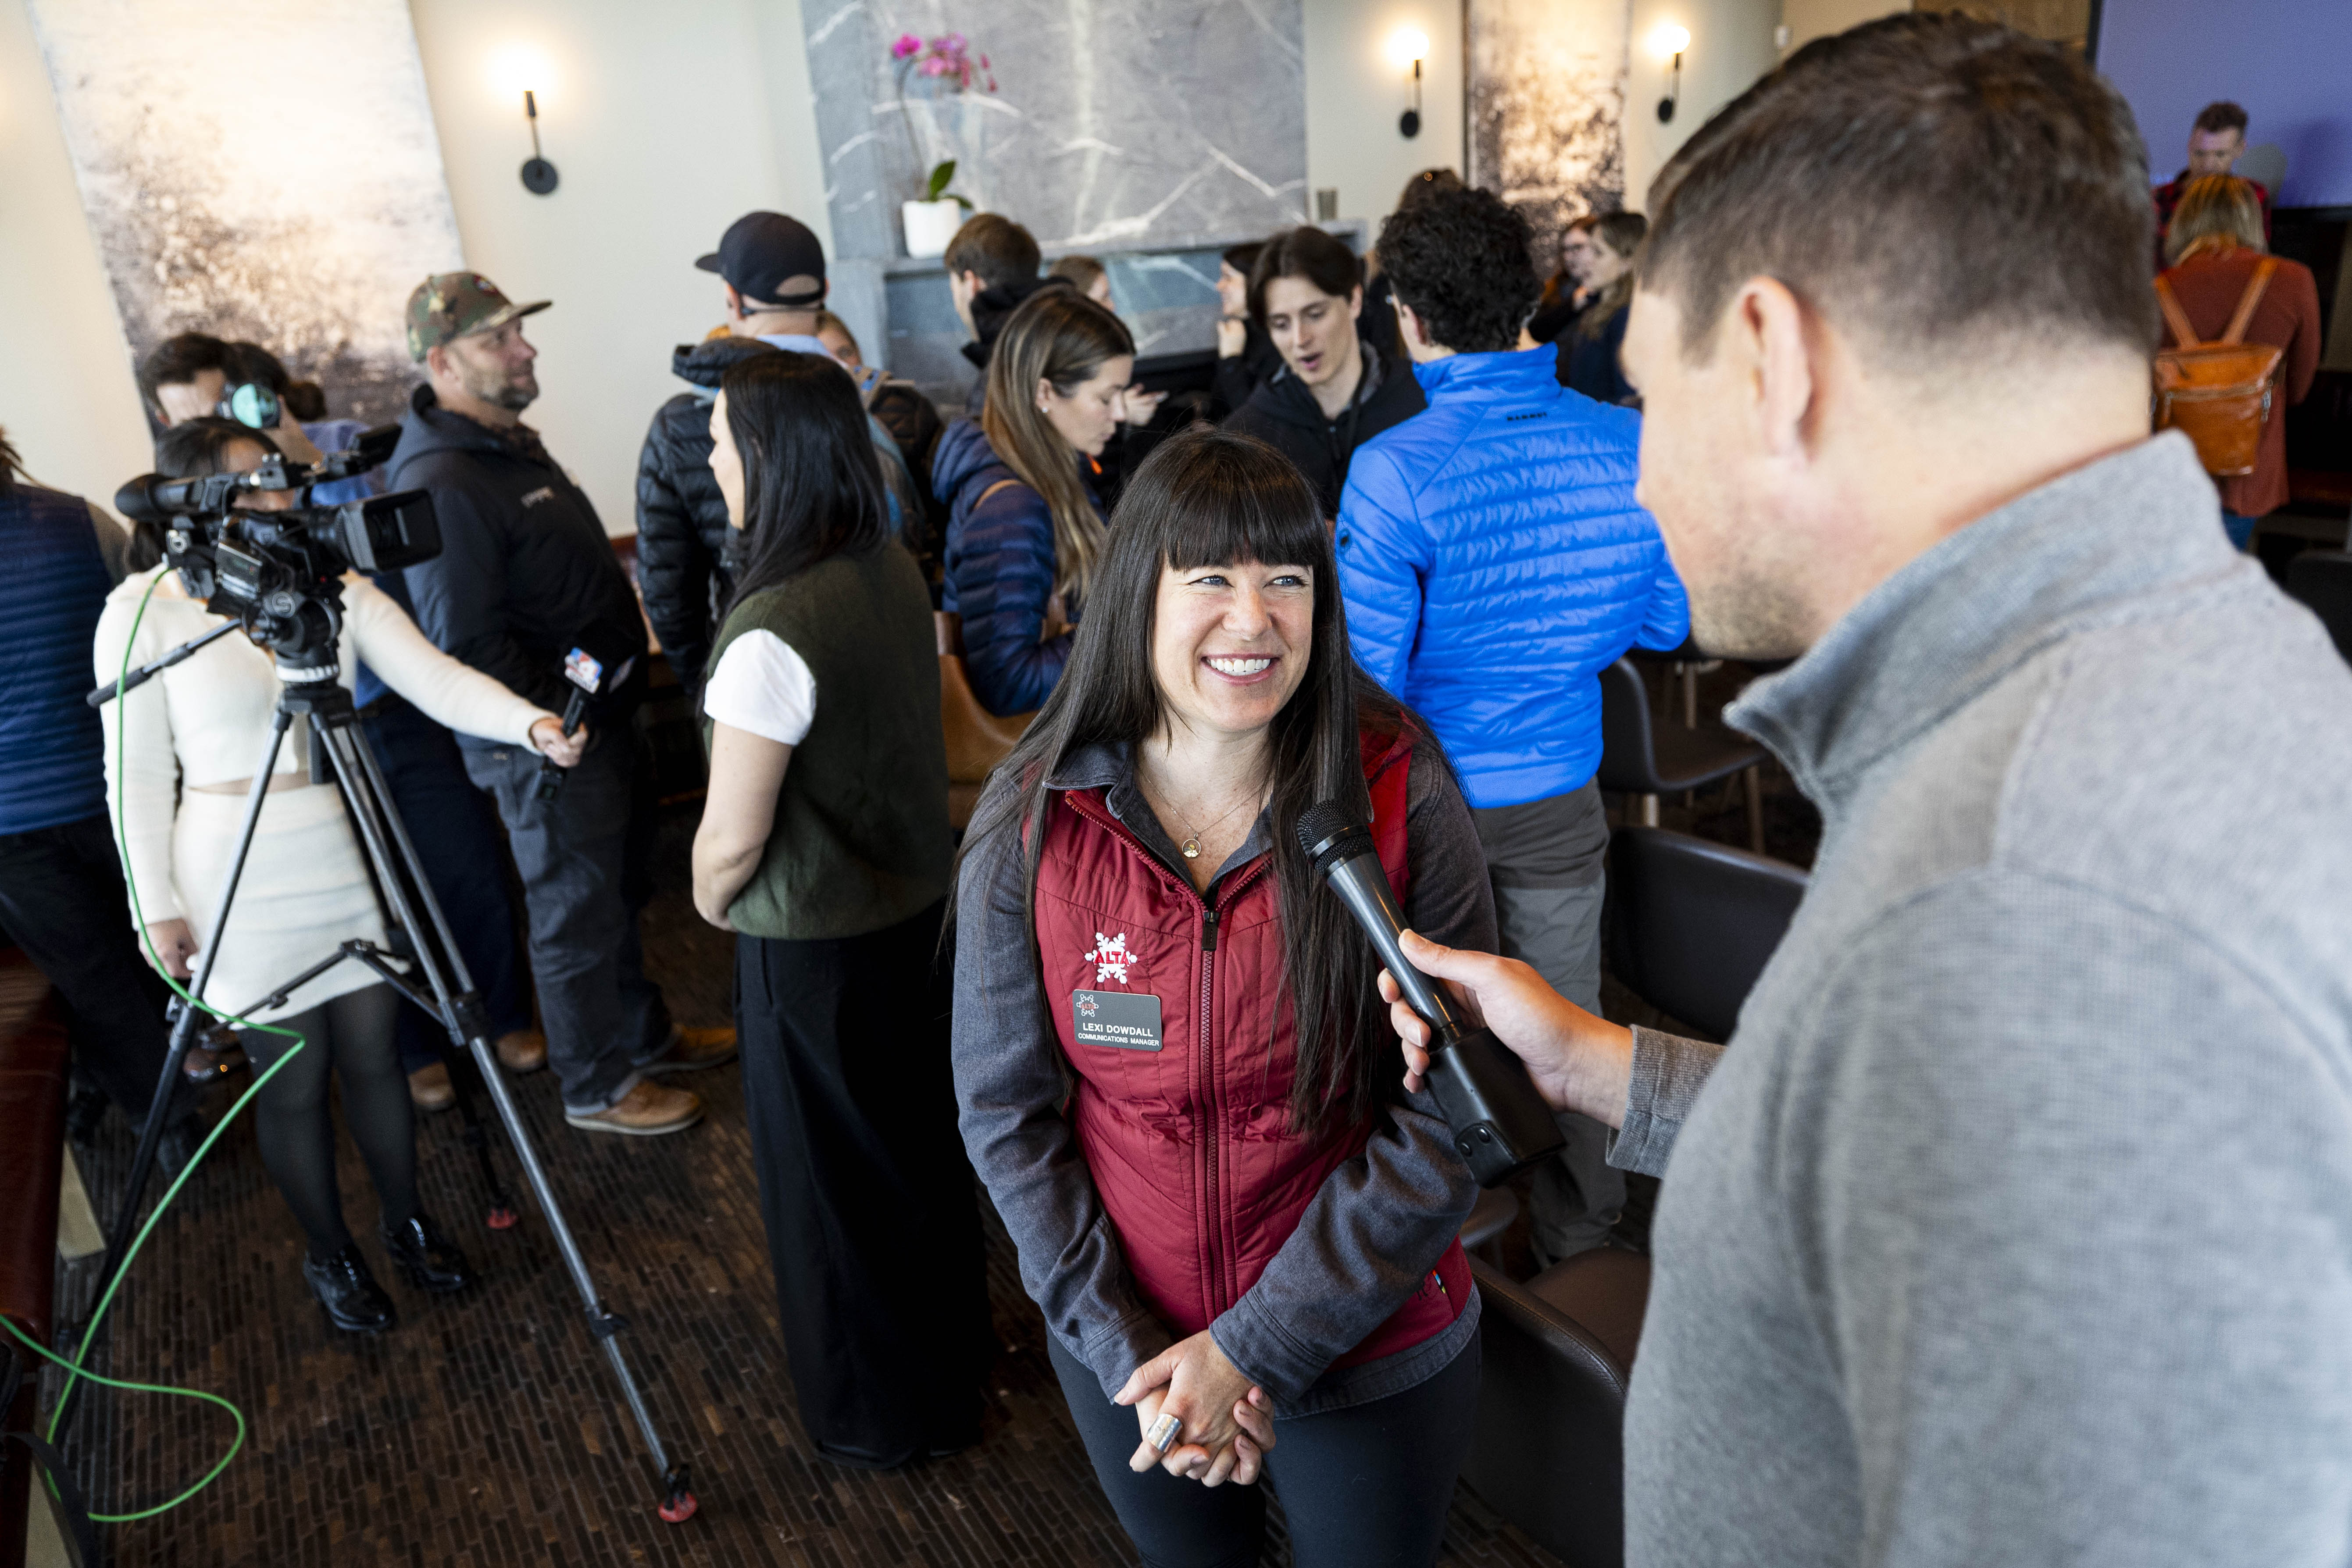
1209 931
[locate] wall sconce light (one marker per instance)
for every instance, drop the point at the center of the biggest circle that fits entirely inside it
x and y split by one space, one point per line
1670 39
1408 46
537 173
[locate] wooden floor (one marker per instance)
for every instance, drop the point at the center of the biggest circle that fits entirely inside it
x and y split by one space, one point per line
487 1429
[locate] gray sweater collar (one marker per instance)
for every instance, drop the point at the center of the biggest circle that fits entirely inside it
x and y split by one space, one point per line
2090 546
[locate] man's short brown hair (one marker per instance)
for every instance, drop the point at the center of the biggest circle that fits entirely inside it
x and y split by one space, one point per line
1927 181
995 247
2223 115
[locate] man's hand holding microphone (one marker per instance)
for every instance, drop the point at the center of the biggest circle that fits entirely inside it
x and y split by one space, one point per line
1578 1062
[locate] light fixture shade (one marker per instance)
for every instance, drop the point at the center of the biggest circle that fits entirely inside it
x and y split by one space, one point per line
1407 44
1668 40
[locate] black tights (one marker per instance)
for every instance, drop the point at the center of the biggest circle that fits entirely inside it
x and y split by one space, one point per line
353 1034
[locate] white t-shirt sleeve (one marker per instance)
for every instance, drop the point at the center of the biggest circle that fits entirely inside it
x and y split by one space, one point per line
762 687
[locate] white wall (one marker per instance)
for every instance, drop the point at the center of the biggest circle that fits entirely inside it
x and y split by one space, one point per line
67 400
1354 95
1730 47
1808 19
667 122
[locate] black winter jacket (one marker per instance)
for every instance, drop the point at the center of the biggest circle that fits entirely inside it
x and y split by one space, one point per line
990 309
1284 415
525 568
681 517
682 532
1238 377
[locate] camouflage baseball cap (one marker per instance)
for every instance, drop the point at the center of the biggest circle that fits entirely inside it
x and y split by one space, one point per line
457 305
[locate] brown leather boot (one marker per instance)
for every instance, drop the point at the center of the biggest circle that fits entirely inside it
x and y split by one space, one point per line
648 1110
521 1050
430 1088
692 1049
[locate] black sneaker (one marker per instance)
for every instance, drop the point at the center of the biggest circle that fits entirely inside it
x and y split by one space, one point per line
356 1303
430 1259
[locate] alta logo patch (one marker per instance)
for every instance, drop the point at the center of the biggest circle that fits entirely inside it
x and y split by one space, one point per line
1110 958
1087 1005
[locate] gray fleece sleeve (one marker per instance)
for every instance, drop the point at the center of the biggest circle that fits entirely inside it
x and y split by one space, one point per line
1382 1219
1011 1092
2066 1181
1669 1073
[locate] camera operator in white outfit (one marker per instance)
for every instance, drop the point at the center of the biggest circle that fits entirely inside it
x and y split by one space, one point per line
180 754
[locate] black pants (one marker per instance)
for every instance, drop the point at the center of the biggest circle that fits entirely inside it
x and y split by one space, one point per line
1367 1487
457 836
872 1213
604 1019
61 897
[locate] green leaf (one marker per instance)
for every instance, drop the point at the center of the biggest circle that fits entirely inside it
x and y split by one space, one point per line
940 175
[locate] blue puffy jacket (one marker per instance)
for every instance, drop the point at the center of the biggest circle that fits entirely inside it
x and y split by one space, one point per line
999 563
1495 561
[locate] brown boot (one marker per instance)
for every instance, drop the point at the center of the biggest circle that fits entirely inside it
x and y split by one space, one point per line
648 1110
521 1050
430 1087
691 1051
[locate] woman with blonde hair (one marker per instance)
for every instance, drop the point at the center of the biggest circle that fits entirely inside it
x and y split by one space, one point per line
2215 248
1589 352
1024 525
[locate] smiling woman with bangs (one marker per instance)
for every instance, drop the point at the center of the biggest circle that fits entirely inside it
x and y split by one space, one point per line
1239 1225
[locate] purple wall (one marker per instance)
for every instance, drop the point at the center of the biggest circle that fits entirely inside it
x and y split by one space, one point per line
2289 62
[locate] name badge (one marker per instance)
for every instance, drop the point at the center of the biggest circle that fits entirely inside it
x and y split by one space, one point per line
1127 1020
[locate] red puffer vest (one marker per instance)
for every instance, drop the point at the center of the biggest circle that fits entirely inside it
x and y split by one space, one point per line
1191 1145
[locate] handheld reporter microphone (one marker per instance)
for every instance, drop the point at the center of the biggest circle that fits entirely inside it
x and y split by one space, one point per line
585 671
1500 1125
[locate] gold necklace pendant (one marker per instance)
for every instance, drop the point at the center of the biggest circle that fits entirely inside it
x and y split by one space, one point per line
1192 848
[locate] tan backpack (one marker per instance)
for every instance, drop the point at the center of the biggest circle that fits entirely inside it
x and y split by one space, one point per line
2218 393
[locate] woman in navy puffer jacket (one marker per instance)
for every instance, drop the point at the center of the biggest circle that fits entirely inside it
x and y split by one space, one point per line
1024 529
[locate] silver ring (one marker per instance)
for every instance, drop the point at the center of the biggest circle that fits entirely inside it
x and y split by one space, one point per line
1163 1433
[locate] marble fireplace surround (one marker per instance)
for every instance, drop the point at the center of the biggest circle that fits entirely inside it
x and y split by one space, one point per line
1151 133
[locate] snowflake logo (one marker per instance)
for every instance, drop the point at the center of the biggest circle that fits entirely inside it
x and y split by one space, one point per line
1110 958
1088 1007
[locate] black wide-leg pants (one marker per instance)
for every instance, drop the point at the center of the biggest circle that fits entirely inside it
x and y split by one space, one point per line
872 1211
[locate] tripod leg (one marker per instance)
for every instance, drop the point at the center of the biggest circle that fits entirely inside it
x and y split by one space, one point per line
387 842
184 1029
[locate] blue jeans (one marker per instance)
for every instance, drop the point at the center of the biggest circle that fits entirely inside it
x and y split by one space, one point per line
2238 527
456 832
604 1019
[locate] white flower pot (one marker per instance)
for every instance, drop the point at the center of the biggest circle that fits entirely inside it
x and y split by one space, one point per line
930 224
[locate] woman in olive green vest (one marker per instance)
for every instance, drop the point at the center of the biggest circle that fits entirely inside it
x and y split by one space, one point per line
825 846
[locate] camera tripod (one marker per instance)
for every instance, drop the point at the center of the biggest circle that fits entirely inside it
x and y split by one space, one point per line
311 691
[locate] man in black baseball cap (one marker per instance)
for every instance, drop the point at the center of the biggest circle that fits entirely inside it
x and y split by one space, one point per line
774 265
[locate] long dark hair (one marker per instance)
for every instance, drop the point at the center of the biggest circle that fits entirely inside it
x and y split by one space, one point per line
12 467
1210 498
191 449
812 484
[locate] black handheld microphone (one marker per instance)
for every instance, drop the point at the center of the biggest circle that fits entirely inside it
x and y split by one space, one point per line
591 678
1500 1125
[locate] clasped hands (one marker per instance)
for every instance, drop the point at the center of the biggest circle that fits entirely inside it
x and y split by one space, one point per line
1225 1423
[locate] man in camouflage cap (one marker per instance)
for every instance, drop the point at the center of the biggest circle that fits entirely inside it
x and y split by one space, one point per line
526 573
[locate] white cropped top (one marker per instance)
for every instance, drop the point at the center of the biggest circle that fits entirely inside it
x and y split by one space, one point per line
205 721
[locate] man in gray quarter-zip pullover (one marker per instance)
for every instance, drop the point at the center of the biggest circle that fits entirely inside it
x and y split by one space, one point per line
2014 1224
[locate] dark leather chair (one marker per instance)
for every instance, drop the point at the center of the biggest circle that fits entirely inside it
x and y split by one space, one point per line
1643 761
2322 579
1691 922
32 1150
1549 1452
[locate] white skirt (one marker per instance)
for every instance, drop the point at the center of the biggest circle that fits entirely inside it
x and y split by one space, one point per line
304 892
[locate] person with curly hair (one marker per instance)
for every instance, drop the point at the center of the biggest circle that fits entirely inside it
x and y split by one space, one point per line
1495 561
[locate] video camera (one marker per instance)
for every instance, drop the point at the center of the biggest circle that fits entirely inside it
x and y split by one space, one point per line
279 574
